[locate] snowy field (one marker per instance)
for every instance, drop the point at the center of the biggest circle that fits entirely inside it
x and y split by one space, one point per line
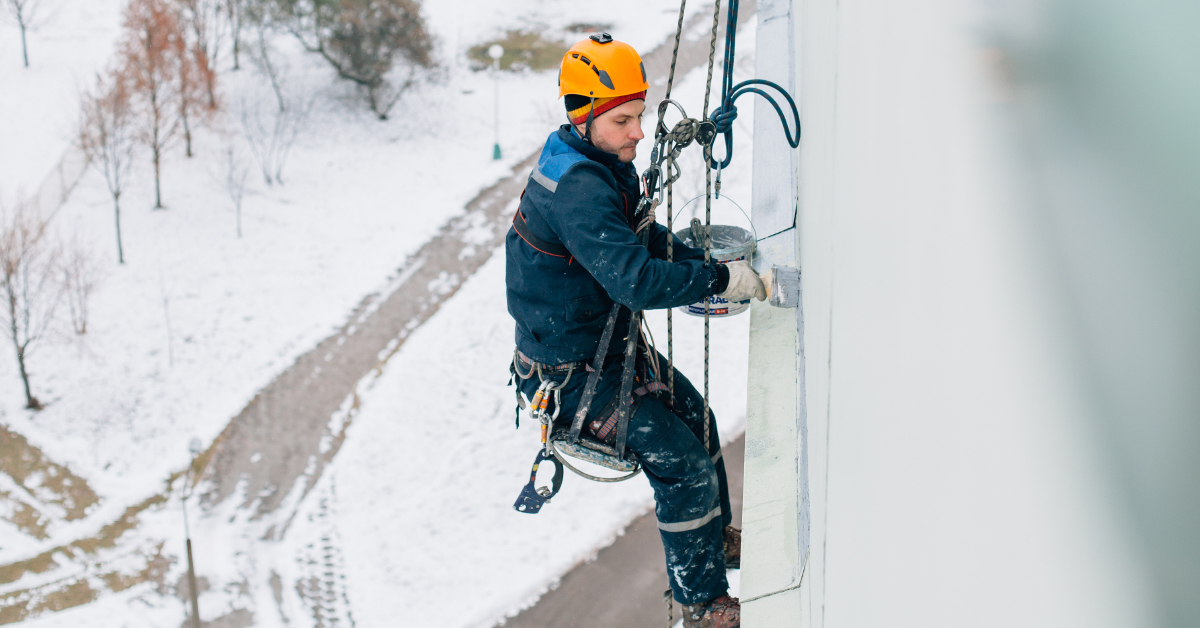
416 509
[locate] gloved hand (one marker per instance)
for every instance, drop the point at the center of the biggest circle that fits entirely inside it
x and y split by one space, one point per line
743 283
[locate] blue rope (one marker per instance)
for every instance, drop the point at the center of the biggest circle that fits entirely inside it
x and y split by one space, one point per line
724 115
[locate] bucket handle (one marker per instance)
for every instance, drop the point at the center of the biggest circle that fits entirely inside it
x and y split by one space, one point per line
735 204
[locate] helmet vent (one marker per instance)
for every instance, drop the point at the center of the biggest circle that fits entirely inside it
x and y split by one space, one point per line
604 78
585 60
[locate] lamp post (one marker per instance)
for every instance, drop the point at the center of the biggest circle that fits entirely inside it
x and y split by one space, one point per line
194 447
495 52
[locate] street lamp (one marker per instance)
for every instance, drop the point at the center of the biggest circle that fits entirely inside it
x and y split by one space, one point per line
495 52
194 448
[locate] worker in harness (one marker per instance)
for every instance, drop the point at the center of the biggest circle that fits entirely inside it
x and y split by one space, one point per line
571 253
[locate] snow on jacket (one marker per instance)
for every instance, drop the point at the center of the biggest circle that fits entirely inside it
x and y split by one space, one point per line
584 199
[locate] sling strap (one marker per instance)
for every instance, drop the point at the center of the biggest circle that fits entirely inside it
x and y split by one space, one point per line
544 246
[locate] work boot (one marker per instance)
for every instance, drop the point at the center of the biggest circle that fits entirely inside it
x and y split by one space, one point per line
723 612
733 548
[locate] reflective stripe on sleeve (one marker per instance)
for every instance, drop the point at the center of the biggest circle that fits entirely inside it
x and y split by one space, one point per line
544 181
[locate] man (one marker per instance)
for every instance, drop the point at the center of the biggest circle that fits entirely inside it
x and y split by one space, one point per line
571 253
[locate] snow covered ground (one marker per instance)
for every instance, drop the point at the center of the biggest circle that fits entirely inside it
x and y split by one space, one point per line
415 510
39 106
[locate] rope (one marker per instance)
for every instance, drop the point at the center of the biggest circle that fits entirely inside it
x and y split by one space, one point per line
675 52
724 115
712 54
671 223
672 142
670 321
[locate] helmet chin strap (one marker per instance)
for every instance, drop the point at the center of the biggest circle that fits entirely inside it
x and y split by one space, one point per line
587 129
587 133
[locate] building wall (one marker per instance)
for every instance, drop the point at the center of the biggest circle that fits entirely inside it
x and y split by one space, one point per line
920 454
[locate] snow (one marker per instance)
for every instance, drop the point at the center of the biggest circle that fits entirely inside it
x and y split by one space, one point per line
40 105
416 508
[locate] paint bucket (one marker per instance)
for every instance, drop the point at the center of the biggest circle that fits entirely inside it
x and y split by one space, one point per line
729 244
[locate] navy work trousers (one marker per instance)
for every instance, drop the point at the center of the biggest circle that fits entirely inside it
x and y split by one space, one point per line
691 492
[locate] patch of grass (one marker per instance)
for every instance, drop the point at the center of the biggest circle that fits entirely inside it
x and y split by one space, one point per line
522 50
587 28
42 478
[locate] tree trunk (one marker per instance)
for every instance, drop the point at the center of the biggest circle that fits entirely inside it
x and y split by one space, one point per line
24 52
117 213
157 185
187 131
30 402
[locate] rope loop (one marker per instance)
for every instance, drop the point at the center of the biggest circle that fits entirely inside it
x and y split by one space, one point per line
724 115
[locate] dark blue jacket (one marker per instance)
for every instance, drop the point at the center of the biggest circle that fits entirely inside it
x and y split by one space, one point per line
583 198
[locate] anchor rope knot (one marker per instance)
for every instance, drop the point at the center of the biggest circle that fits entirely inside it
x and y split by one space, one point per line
724 116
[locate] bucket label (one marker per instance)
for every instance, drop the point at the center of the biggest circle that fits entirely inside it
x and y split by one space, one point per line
736 245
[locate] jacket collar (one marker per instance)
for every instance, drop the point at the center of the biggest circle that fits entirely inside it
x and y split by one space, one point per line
567 134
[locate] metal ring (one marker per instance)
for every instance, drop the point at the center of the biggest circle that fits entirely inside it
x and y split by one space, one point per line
563 459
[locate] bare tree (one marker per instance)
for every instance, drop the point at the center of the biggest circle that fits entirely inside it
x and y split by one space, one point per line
27 15
29 285
205 25
236 170
106 137
79 279
190 85
271 134
152 52
362 40
264 58
235 12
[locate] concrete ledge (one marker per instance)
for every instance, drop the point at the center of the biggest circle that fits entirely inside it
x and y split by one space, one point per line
771 541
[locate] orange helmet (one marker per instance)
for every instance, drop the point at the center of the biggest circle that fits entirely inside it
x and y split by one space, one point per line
600 68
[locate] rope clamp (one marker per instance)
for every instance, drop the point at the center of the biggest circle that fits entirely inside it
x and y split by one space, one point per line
706 132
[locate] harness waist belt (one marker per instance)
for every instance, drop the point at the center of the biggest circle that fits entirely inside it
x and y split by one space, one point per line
580 365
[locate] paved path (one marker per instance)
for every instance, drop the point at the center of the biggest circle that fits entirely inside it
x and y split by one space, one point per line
623 587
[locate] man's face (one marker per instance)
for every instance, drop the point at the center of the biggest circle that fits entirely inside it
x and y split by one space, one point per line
618 130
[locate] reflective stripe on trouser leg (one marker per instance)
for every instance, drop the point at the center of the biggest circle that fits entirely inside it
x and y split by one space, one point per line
687 494
684 526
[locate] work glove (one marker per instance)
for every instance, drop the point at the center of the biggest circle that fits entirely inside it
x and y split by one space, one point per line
743 283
